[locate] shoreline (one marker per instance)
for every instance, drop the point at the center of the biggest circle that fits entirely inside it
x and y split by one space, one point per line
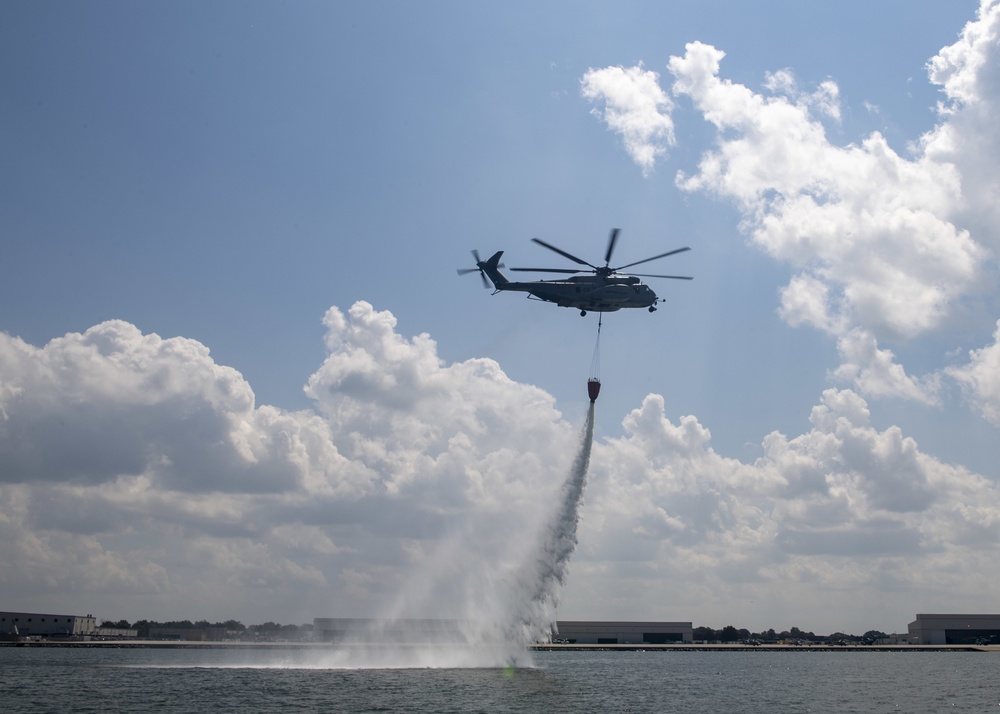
175 644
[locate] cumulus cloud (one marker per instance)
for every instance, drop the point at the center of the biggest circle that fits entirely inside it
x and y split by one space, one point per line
876 372
885 248
636 107
843 506
824 100
968 75
866 229
114 441
137 470
980 378
964 69
112 403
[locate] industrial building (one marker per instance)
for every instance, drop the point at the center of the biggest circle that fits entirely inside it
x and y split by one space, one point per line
189 634
333 629
586 632
954 630
35 624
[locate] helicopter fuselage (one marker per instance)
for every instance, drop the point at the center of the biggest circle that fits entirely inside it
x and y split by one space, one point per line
587 293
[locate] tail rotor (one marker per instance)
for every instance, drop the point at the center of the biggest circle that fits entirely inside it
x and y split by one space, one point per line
480 268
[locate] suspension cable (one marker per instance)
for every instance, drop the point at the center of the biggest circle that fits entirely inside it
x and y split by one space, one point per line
595 364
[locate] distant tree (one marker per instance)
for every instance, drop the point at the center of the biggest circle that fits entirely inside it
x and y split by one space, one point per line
706 634
873 637
796 634
178 625
838 637
729 634
142 627
234 625
770 635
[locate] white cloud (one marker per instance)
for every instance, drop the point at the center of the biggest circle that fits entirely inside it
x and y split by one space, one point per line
964 69
866 229
806 300
634 106
969 75
876 373
416 486
843 507
115 443
980 378
825 100
884 248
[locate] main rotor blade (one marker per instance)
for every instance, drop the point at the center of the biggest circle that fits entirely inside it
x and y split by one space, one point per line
563 253
612 239
548 270
655 257
647 275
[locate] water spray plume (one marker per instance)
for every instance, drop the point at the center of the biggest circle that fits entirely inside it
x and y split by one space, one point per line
505 610
546 575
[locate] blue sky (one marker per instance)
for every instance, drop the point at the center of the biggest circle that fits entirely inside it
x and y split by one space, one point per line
216 177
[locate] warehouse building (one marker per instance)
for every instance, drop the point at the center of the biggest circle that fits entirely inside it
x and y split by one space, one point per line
586 632
350 630
954 630
35 624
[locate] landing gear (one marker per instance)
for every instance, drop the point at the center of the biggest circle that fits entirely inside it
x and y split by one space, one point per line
583 313
652 308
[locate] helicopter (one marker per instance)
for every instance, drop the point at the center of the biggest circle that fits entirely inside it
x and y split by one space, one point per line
605 290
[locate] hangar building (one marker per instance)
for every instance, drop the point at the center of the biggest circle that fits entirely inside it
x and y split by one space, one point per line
954 629
587 632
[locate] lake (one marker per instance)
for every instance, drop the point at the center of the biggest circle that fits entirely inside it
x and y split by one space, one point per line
201 680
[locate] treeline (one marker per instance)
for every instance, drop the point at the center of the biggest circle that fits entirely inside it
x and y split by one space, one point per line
277 631
267 630
729 633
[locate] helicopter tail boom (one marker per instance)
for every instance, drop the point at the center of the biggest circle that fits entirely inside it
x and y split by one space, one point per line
492 269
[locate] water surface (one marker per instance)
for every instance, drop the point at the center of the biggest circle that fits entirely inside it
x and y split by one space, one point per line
196 680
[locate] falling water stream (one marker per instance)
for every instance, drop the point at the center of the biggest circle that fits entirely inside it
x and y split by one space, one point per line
507 599
523 611
544 576
505 613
